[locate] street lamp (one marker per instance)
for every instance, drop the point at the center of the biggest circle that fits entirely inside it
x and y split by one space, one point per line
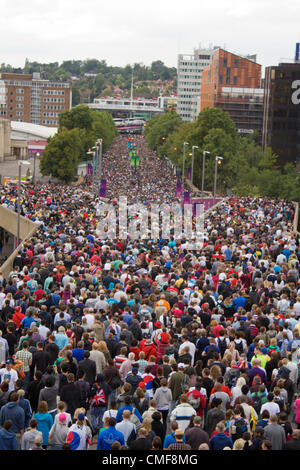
183 163
20 163
36 155
98 169
203 168
193 158
218 162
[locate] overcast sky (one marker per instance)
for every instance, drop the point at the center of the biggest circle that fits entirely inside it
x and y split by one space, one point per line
125 32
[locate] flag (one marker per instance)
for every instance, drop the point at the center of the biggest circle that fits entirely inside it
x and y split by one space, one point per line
189 173
186 198
178 189
102 192
89 169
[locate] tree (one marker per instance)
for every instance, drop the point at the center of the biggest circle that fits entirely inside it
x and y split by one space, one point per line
80 117
160 127
61 156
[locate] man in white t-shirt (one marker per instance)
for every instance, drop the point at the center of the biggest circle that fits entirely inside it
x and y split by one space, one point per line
272 407
8 374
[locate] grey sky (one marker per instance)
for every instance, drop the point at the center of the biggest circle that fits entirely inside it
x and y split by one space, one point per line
124 32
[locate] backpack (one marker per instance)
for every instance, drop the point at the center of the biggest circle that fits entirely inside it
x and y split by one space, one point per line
185 384
99 399
222 345
239 347
257 401
135 420
240 428
253 419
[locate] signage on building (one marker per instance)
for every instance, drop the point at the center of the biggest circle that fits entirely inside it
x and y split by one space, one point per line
245 131
296 94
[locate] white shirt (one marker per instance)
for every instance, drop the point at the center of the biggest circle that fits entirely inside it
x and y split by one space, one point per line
192 349
90 319
9 375
272 407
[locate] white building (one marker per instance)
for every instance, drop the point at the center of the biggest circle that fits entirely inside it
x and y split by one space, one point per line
189 73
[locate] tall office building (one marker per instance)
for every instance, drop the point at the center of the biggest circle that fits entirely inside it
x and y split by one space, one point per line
189 75
28 98
281 120
233 83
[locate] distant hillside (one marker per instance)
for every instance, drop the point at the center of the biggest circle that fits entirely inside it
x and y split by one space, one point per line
91 78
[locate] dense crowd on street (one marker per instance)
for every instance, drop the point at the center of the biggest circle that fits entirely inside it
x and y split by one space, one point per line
152 181
148 345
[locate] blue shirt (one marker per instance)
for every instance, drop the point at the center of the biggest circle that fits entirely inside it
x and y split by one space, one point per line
61 340
119 416
170 439
26 322
108 437
220 440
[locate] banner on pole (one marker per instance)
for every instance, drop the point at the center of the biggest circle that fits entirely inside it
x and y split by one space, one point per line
102 192
178 189
186 197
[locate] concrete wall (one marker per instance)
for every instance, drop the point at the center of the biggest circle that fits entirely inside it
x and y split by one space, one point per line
4 139
9 221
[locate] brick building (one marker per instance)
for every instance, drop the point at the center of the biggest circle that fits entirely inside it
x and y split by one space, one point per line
28 98
233 83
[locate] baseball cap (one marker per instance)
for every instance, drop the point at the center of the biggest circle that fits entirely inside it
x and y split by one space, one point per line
63 417
81 416
142 385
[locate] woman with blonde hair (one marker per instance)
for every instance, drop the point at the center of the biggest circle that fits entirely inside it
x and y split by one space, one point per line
236 390
146 424
239 444
102 347
215 372
232 351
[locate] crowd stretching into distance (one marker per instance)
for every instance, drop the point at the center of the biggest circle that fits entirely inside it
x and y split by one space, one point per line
143 345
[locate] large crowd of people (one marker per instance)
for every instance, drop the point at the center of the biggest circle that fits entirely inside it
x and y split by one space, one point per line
148 345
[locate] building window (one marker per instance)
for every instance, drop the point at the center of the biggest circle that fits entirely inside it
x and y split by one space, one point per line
228 76
220 79
225 62
235 80
236 63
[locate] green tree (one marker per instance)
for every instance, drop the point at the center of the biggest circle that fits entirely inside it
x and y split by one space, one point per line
61 156
160 127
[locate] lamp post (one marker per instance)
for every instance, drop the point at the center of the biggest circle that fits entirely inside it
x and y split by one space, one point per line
203 168
183 163
218 162
99 164
193 158
20 163
36 155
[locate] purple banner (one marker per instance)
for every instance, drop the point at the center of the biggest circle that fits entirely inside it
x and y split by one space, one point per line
189 173
208 203
102 192
186 198
178 189
89 169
